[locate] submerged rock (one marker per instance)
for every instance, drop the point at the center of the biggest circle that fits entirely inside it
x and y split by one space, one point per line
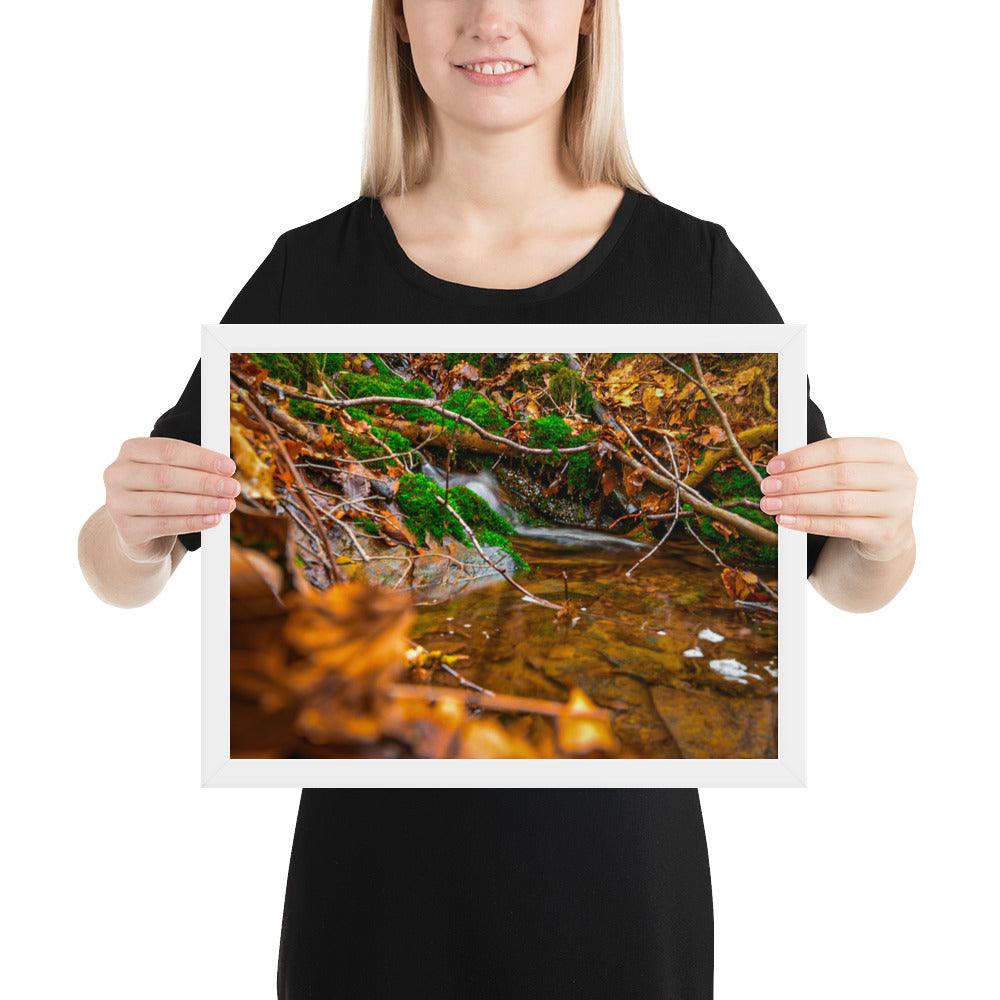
439 571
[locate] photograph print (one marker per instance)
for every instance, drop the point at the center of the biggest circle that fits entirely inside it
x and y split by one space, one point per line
503 556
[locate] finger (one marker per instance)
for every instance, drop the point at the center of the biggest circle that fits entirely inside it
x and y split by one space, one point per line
137 530
173 479
843 476
148 503
173 451
845 503
867 530
831 451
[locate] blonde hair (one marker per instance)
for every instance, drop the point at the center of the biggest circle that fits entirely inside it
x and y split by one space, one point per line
397 143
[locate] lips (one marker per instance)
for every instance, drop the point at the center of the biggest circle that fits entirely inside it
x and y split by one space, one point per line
493 73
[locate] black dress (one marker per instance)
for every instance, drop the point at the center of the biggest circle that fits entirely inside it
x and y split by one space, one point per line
589 894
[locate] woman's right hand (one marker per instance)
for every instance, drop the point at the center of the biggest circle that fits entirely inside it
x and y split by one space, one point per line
158 488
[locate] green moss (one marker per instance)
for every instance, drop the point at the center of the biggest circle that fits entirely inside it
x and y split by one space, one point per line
419 499
368 525
477 513
285 368
493 539
392 385
364 448
734 482
553 432
451 360
393 439
488 364
477 407
302 409
738 548
578 471
550 431
298 369
615 358
567 387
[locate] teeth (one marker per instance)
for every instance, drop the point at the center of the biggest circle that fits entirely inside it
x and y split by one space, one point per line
493 69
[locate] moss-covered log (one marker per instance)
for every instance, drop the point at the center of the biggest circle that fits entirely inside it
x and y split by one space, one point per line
749 438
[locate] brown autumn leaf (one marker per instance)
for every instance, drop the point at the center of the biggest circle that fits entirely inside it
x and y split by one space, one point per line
351 630
294 449
609 481
255 583
651 399
633 482
429 729
487 738
713 434
254 475
740 584
580 731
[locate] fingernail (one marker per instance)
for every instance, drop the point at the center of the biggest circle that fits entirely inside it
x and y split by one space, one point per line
222 504
771 503
209 519
776 465
771 485
226 466
786 519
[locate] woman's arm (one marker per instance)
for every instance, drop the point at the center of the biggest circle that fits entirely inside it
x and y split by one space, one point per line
118 575
156 490
853 582
859 492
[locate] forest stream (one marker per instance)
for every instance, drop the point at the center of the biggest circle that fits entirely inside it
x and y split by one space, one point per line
634 647
592 577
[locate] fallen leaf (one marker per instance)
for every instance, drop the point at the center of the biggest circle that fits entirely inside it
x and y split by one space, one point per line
580 731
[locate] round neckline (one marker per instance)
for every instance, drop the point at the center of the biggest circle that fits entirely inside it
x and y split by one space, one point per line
562 283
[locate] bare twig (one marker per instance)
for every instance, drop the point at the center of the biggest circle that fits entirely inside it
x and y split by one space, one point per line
699 380
494 702
677 502
295 474
430 404
499 569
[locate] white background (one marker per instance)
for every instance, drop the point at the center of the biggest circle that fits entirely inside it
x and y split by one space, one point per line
155 151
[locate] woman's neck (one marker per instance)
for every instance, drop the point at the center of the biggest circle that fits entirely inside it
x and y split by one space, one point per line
479 177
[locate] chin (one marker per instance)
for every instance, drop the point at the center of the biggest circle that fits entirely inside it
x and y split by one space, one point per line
498 117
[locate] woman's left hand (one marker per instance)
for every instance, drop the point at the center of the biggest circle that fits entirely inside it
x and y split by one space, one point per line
853 487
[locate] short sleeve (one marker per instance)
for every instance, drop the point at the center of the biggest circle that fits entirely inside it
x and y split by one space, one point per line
259 301
183 421
737 296
815 431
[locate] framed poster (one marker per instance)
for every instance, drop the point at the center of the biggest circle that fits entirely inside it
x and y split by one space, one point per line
527 568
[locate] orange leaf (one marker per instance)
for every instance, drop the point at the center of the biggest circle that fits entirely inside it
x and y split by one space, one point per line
580 730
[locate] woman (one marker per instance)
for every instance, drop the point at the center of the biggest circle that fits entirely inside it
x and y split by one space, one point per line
498 187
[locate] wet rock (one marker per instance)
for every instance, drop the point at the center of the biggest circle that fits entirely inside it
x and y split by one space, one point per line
529 491
716 726
436 573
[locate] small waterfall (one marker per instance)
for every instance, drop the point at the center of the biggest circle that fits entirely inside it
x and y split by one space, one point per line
484 484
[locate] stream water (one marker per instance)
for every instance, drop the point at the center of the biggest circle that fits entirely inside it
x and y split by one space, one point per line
686 673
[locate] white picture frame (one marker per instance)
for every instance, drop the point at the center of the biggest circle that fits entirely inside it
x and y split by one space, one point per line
788 341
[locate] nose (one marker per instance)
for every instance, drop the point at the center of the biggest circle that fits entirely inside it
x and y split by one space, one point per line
491 20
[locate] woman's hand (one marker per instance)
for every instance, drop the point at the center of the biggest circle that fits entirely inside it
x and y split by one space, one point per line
158 488
860 488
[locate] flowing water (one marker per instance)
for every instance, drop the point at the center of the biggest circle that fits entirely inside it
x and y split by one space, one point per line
686 673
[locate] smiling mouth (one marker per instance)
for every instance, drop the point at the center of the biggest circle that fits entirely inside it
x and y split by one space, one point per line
497 67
